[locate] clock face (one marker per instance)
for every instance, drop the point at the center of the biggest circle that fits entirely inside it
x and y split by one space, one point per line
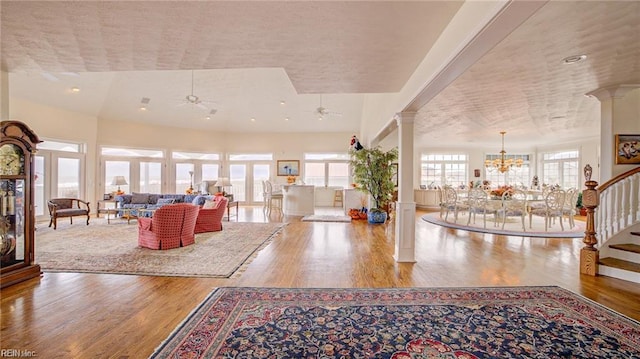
10 160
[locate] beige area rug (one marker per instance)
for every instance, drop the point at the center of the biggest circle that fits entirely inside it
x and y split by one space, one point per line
113 248
513 226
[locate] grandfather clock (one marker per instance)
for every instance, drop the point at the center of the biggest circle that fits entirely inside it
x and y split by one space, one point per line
17 217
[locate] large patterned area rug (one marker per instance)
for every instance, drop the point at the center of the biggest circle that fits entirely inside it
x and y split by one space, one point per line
113 248
511 322
513 227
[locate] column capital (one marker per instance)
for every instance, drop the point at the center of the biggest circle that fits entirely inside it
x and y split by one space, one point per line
615 91
405 117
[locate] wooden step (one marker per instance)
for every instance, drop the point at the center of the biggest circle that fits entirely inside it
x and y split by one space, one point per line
628 247
620 264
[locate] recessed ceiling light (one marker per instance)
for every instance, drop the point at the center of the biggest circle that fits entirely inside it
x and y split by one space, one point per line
286 118
208 117
320 118
253 119
282 102
75 89
142 108
573 59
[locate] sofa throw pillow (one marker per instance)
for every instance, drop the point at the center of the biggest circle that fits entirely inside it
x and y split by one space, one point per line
140 198
209 204
163 201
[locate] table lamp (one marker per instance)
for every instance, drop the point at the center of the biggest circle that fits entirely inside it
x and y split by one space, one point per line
223 182
119 181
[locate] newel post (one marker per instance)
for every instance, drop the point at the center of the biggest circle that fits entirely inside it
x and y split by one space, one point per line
589 255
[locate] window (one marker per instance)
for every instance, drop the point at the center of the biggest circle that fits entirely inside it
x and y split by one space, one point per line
515 176
141 168
59 172
205 167
183 177
326 169
561 168
246 172
443 169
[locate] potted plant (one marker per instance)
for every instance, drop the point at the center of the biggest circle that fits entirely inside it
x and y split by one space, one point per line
373 172
582 210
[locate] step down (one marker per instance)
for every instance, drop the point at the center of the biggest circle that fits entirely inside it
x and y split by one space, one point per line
620 264
628 247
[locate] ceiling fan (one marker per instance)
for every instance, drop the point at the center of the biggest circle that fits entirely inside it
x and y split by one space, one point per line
321 111
56 77
194 100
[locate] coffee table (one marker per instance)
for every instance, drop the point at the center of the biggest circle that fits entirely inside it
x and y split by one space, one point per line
126 213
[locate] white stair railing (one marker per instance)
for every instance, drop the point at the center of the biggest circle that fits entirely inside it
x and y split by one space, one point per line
619 205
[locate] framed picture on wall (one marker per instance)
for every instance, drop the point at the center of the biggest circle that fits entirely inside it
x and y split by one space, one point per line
288 167
627 149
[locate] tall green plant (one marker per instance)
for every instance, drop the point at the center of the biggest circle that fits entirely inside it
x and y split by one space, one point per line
373 173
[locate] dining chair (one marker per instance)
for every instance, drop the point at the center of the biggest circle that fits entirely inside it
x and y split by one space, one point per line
478 203
514 204
553 208
451 203
569 209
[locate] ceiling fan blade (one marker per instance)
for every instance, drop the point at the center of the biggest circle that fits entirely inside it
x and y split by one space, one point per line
49 76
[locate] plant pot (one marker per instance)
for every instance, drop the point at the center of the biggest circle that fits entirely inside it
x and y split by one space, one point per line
375 217
583 211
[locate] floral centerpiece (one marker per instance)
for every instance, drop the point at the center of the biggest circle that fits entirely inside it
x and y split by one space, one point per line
498 192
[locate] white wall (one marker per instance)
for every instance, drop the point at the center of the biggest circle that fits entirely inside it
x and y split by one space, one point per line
626 112
58 124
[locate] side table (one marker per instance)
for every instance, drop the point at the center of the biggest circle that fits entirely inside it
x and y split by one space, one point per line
103 206
229 205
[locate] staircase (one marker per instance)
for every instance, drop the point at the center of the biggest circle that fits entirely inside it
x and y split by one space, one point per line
624 262
617 226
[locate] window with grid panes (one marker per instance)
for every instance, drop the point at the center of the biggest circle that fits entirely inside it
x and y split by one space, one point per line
561 168
443 169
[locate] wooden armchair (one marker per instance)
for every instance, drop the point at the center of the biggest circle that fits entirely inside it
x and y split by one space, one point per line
67 207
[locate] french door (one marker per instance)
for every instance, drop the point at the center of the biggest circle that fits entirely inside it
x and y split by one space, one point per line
58 175
246 179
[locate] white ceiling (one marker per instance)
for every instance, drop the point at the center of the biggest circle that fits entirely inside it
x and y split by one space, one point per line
250 56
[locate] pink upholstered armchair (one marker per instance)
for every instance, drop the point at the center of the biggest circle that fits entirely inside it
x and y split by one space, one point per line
171 226
210 219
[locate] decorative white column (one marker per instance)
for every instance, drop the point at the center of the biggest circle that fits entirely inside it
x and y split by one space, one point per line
405 228
610 125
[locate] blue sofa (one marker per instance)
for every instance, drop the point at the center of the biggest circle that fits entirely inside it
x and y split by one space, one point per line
135 201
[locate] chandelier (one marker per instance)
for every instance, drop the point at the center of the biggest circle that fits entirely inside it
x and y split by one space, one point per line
502 164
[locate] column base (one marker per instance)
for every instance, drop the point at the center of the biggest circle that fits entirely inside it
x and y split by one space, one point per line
405 232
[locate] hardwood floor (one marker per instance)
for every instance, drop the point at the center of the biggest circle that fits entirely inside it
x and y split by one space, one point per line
73 315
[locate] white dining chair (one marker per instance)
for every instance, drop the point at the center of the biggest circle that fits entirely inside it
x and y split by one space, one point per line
514 204
553 208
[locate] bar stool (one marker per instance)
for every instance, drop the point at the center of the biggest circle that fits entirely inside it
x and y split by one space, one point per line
273 199
337 198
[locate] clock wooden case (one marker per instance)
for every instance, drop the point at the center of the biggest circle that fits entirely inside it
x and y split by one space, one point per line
17 217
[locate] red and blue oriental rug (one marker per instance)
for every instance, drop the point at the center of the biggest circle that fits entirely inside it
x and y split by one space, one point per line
402 323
